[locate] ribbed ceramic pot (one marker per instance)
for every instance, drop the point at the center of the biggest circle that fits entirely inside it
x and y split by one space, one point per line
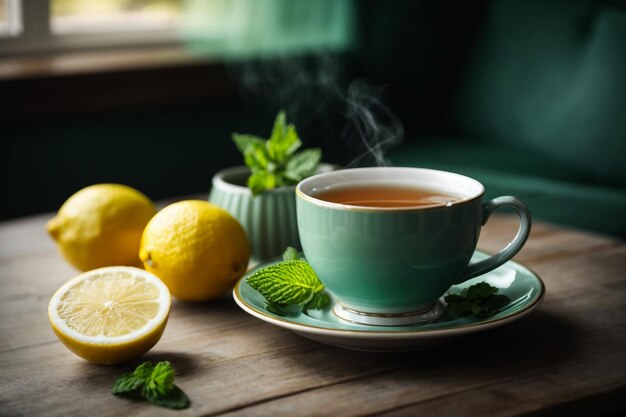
268 218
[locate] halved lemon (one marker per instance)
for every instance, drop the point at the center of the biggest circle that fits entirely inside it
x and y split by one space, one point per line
110 315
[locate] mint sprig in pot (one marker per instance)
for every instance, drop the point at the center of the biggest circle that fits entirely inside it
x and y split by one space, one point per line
261 194
276 162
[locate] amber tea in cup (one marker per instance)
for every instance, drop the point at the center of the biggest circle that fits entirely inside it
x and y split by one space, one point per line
385 196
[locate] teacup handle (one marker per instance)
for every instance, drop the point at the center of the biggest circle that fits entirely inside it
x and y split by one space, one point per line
491 263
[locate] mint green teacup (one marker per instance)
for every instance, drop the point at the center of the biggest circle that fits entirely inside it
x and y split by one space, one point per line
390 265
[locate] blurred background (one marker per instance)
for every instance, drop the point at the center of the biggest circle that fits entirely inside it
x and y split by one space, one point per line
528 97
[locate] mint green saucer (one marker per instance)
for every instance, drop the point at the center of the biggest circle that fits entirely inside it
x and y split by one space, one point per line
521 285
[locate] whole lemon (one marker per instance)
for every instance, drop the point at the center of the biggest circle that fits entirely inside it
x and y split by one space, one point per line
198 249
101 225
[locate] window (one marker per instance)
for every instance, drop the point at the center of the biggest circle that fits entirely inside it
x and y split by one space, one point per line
61 25
97 16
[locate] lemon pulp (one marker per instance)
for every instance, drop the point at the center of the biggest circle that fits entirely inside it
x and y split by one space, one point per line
110 314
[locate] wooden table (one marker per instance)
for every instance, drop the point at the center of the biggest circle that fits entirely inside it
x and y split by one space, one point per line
566 358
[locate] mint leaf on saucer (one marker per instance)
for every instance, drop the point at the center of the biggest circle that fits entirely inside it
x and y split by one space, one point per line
480 291
479 299
319 301
289 283
283 310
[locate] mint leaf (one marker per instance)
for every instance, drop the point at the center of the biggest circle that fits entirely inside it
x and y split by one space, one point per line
283 310
498 300
280 125
277 309
479 299
454 299
291 282
126 383
261 181
291 286
279 147
480 291
144 370
284 140
320 300
160 381
303 164
176 399
463 308
244 142
154 383
291 254
257 159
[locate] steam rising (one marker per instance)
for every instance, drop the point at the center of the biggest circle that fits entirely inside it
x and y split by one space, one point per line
370 122
313 92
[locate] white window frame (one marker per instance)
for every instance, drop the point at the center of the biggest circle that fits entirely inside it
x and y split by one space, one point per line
13 25
30 32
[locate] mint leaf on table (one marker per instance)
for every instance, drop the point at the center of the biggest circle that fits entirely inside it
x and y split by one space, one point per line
154 383
144 371
160 381
126 383
479 299
132 380
176 399
275 162
289 283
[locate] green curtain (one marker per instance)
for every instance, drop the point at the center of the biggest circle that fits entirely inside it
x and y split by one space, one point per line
260 28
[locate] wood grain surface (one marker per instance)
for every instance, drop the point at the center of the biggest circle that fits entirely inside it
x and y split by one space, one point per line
566 358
